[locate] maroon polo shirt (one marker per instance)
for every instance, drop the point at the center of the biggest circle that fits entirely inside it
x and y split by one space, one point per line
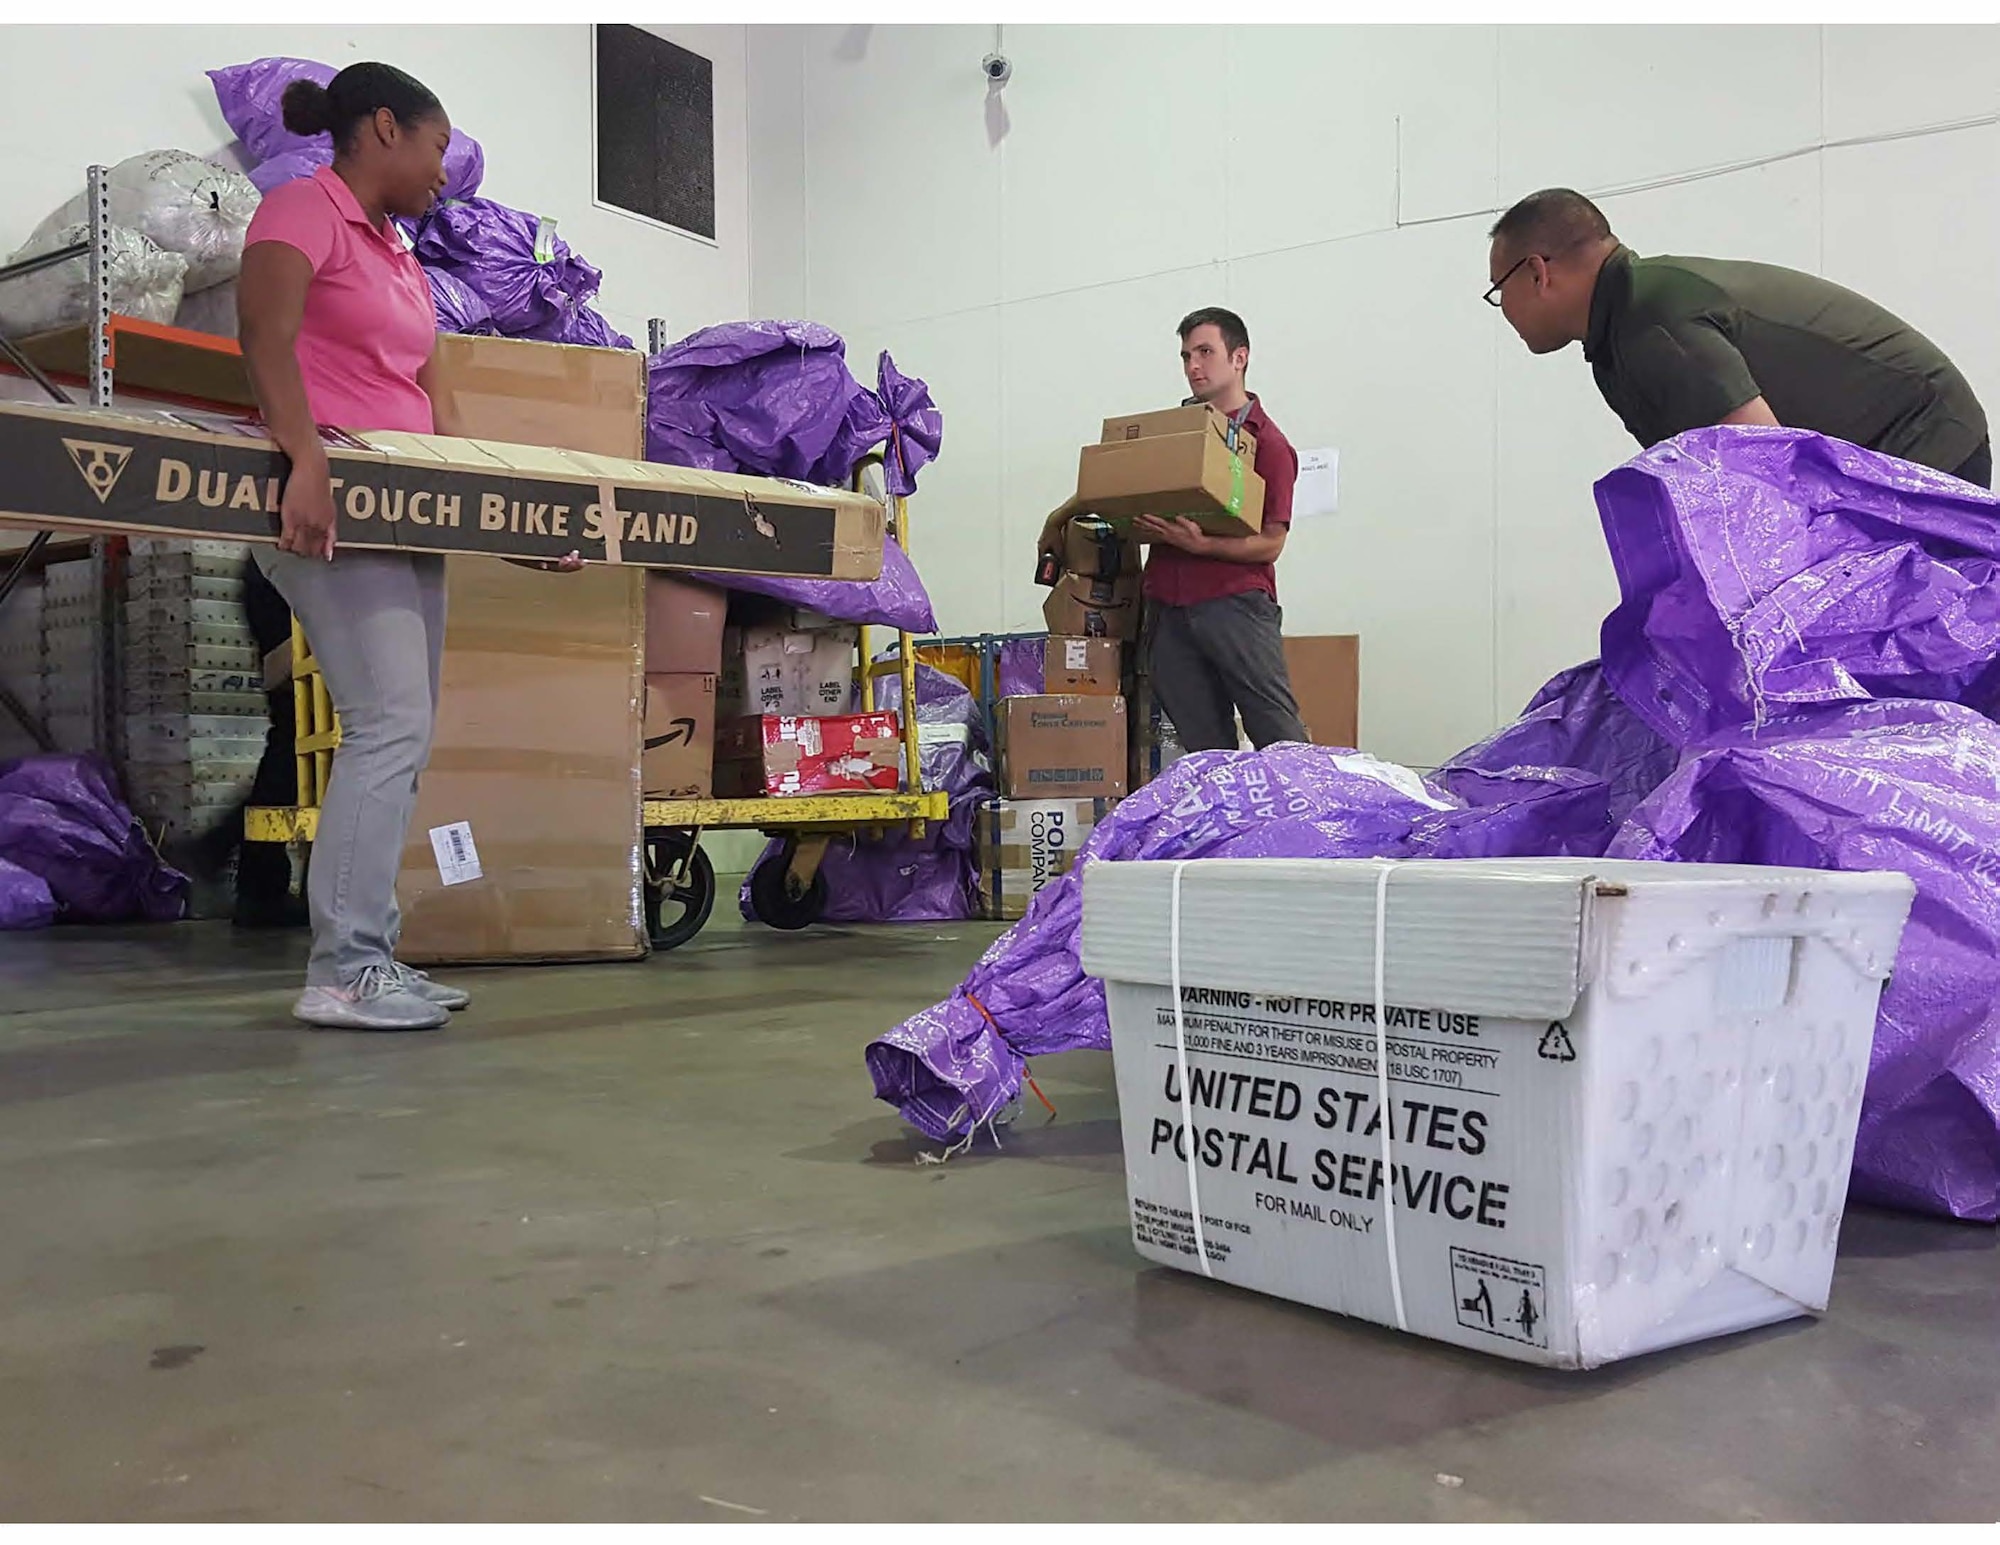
1176 578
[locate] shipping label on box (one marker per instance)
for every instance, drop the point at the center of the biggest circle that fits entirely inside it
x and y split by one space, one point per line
1025 845
1062 747
781 754
1604 1107
207 475
1083 667
1189 418
677 758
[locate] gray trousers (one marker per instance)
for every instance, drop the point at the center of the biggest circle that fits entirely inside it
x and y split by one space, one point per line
376 625
1217 658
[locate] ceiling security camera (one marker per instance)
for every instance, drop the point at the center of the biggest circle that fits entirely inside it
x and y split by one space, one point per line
997 68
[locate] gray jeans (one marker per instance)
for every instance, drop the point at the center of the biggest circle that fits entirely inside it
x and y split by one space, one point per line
376 624
1213 659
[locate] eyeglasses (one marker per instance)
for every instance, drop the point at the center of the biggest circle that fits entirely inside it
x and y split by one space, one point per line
1492 296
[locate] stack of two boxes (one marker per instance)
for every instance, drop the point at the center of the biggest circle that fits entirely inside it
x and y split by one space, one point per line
1062 766
756 710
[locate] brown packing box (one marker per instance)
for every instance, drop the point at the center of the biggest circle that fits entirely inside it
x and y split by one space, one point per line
206 475
537 753
1022 846
1082 607
537 744
1086 667
684 622
1095 547
1194 474
1062 747
1326 680
678 759
1190 418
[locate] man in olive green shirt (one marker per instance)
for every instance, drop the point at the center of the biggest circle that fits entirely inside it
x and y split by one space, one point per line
1679 343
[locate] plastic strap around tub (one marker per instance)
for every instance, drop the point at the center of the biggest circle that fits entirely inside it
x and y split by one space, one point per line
1180 1055
1388 1113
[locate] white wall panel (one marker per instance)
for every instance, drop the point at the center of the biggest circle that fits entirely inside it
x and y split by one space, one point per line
902 190
1597 107
1403 385
1881 79
1914 224
1115 154
1312 142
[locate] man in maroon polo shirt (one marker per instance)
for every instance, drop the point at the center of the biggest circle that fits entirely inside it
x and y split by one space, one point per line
1212 617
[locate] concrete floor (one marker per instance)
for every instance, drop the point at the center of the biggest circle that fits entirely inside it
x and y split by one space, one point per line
635 1243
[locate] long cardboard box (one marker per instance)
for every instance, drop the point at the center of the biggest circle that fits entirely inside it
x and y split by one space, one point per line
526 840
1617 1113
190 474
536 752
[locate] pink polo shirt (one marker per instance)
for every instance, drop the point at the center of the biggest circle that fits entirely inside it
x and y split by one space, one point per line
368 327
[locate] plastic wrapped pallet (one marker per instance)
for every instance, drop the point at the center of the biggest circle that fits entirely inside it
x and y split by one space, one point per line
1562 1111
146 282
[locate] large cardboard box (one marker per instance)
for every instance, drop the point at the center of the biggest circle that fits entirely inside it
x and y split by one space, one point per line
525 844
1082 667
550 394
534 769
678 756
206 475
684 625
1189 418
1325 671
1082 607
1197 472
782 754
778 670
1023 845
1593 1109
1062 747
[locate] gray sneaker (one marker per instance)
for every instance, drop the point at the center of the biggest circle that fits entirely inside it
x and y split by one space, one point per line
419 985
377 1001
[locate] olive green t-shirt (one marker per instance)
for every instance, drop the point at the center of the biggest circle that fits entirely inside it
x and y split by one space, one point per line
1678 343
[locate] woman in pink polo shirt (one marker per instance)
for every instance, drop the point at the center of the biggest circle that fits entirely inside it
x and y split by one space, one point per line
337 328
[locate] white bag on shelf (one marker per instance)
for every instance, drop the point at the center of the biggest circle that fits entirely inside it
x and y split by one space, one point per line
179 202
145 282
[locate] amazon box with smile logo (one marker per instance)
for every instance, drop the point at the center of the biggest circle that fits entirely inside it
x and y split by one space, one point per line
205 475
678 761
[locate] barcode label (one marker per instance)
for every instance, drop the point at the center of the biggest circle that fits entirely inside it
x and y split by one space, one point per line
1076 654
458 859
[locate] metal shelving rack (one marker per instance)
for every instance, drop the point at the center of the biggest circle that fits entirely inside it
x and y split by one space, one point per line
94 248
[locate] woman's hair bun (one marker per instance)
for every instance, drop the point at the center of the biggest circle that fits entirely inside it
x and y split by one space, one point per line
307 108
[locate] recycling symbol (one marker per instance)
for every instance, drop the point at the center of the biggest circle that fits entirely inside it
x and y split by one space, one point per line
1555 1045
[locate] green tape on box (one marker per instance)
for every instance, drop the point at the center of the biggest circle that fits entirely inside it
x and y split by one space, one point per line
1235 484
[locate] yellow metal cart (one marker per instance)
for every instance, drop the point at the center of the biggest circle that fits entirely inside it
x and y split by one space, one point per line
787 888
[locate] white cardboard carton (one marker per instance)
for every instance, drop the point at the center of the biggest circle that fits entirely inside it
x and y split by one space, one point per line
1624 1095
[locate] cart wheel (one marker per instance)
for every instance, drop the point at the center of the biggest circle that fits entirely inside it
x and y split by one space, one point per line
675 913
772 895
